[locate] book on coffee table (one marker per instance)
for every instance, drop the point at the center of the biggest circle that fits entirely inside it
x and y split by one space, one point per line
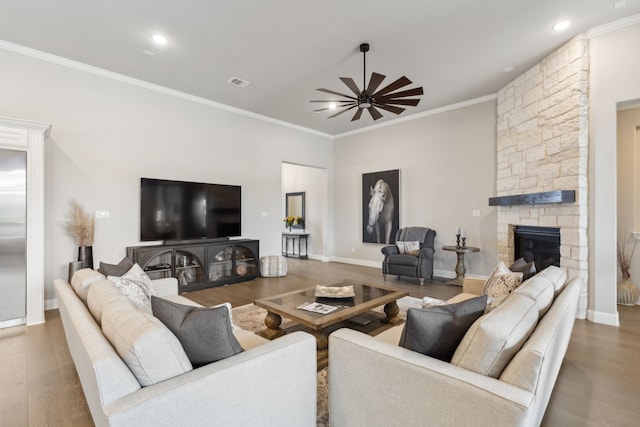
317 307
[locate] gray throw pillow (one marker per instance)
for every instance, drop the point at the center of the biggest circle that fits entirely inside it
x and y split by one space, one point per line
204 332
528 269
436 331
116 269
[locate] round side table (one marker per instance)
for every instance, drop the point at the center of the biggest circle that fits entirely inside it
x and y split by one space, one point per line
460 268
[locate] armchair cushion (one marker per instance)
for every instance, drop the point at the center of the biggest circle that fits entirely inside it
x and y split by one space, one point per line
436 331
403 259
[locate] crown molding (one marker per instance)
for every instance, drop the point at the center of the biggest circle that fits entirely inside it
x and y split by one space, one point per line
610 27
79 66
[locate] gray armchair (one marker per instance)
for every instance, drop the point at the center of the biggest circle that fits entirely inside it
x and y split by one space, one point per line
419 265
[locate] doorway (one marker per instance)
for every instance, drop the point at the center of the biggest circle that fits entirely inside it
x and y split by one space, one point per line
313 182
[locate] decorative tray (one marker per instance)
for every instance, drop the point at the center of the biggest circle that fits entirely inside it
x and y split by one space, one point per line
335 291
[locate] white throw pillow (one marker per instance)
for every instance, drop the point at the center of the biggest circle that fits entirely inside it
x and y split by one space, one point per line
501 282
410 248
137 286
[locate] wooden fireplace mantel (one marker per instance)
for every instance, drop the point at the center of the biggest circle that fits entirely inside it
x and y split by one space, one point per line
557 196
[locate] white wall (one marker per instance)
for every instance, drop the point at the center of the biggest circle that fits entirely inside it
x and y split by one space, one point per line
107 134
447 170
615 67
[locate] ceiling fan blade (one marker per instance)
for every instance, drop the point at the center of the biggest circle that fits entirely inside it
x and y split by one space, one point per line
401 82
412 102
375 114
391 108
410 92
375 81
342 111
357 115
337 93
342 101
351 85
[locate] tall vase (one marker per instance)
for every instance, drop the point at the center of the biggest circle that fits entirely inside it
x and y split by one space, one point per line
85 256
627 292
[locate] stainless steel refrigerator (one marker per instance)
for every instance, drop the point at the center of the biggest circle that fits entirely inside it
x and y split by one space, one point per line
13 237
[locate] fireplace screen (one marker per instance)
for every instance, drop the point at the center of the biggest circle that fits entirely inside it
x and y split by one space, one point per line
538 244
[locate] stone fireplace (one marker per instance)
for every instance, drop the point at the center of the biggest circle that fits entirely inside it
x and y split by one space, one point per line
542 149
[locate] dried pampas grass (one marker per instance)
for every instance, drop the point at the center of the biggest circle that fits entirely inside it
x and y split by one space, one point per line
81 225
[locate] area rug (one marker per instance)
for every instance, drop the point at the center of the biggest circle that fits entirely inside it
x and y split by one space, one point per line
251 318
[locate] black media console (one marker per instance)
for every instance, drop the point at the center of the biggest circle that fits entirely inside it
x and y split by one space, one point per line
200 264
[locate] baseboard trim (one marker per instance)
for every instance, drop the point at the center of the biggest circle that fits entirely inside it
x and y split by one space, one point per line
603 318
50 304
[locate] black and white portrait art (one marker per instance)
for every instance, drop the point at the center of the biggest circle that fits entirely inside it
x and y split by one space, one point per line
380 206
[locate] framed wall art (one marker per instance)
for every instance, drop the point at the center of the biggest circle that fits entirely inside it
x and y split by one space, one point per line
380 206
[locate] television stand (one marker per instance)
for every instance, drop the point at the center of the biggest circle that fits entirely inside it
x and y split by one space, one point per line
200 264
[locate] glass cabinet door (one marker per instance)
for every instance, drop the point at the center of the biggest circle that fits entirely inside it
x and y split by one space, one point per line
156 265
220 263
245 262
188 265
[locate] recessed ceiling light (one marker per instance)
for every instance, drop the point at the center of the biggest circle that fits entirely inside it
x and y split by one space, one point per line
508 69
159 39
332 106
562 25
148 53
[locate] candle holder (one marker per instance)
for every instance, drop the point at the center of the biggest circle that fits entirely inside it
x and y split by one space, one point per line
464 242
458 241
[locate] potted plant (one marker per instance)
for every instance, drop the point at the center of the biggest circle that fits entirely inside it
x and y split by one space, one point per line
627 293
81 226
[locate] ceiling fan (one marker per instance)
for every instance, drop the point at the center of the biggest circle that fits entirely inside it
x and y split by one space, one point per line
368 98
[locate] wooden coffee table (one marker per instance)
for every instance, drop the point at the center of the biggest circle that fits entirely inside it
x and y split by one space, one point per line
366 298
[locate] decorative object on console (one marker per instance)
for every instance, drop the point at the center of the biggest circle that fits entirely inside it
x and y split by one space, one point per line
627 293
81 226
380 215
370 97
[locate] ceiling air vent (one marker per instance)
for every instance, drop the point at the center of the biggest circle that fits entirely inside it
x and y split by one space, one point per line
238 82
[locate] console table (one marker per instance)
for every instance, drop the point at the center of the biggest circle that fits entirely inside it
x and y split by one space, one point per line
291 241
460 269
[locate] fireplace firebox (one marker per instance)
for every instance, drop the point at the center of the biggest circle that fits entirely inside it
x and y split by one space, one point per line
538 244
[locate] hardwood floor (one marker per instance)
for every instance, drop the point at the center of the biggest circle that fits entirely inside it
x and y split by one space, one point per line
598 385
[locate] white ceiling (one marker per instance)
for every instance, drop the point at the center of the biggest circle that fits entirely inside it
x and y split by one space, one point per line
455 50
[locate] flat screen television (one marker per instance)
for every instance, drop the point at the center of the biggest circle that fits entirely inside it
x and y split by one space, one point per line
178 210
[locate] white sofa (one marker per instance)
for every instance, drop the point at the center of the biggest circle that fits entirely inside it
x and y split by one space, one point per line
271 383
375 382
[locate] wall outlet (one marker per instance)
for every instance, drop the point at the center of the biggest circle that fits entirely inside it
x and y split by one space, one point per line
264 214
475 213
103 214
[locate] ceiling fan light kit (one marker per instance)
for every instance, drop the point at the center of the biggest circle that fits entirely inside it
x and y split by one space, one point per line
368 98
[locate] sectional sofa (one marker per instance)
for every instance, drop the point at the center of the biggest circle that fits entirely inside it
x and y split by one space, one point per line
270 383
502 372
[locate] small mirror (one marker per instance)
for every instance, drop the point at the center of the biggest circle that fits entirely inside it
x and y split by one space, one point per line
295 207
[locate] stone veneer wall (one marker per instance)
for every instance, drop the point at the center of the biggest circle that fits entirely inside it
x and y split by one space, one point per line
542 145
